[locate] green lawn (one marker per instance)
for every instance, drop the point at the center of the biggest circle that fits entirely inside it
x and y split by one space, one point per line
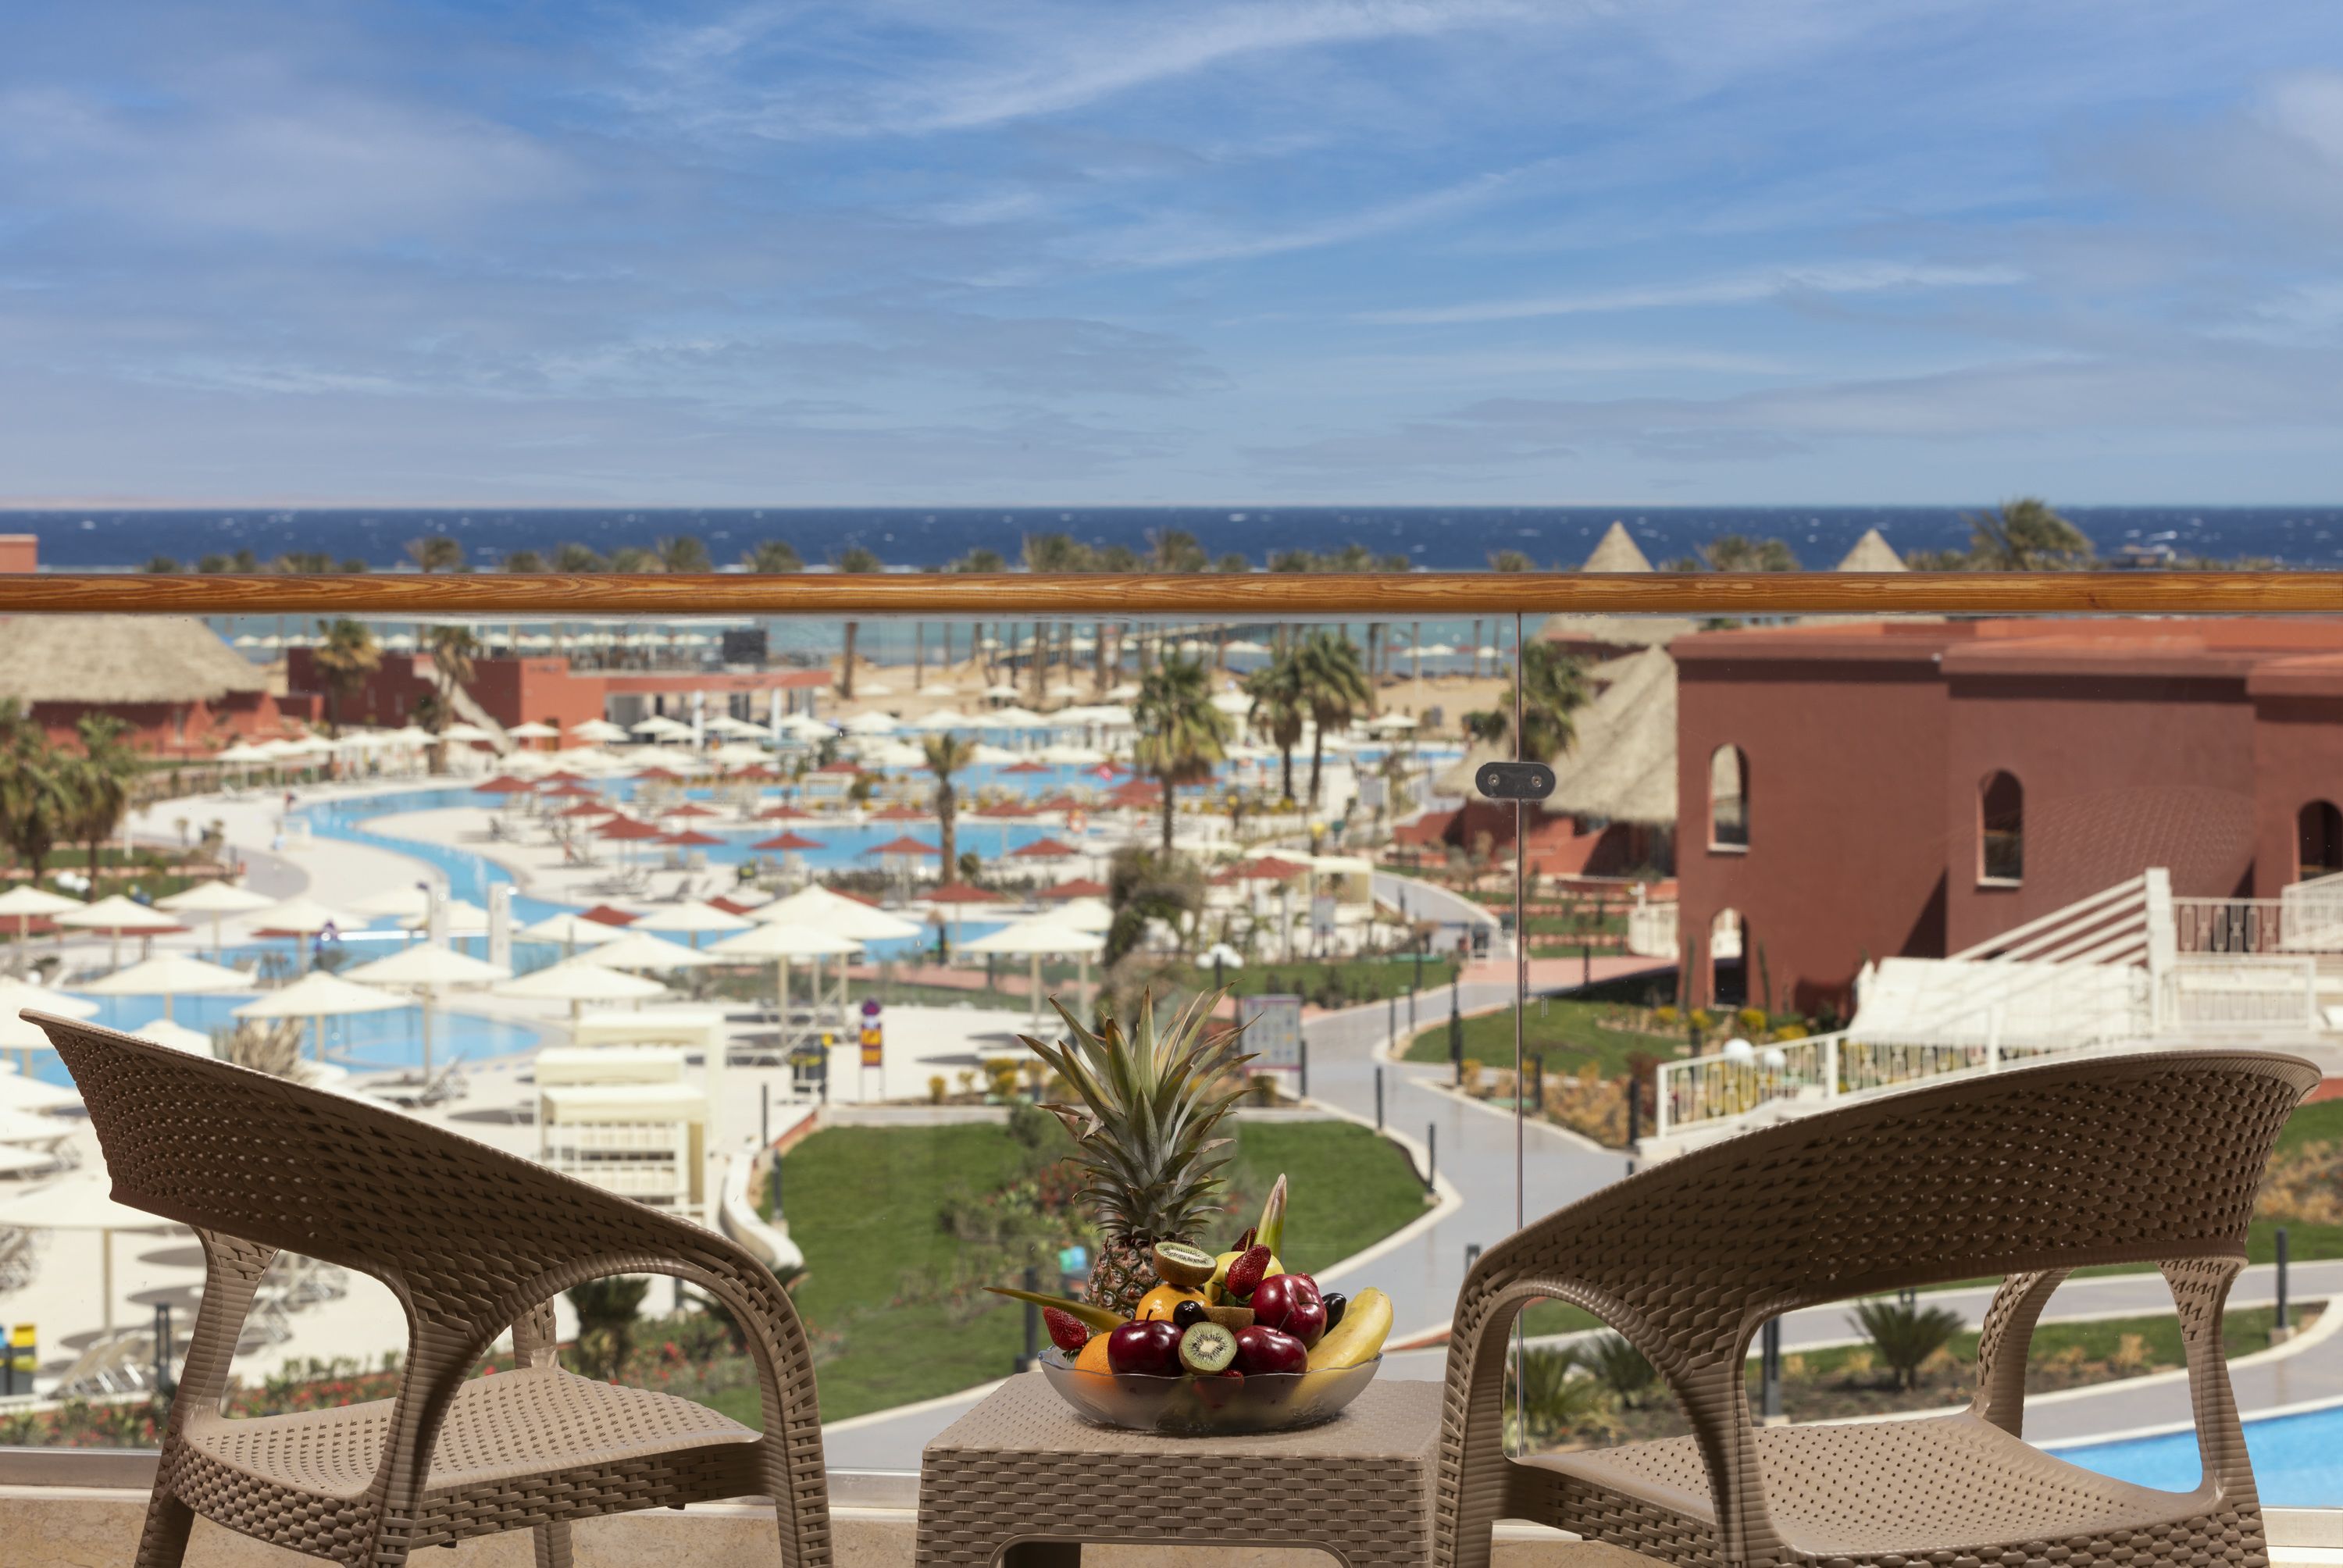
865 1204
1565 1033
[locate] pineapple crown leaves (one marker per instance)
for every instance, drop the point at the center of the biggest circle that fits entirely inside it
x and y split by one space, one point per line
1143 1130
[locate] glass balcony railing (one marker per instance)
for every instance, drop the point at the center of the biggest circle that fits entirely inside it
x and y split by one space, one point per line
740 897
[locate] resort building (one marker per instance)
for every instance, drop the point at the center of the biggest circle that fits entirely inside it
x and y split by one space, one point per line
181 691
511 690
1856 791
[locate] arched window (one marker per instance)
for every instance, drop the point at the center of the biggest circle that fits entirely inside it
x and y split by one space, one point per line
1728 798
2318 841
2001 803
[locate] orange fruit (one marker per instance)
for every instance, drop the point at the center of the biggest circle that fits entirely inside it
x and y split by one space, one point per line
1160 1301
1093 1356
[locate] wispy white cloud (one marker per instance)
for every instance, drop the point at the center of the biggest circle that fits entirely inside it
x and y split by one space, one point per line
1838 277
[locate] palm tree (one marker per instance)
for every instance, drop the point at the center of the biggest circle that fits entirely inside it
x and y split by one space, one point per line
1334 688
34 796
1554 687
452 648
346 655
2026 536
773 558
1277 710
435 553
682 553
1181 736
946 755
855 559
98 785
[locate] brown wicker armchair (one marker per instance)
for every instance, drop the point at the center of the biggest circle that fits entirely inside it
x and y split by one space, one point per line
2148 1158
471 1240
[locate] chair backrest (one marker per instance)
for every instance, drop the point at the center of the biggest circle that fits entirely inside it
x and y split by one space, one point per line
2103 1159
455 1225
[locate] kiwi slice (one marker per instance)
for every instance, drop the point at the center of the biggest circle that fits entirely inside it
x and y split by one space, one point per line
1230 1318
1207 1349
1181 1264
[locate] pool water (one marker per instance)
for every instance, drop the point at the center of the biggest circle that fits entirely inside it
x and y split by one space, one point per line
2298 1459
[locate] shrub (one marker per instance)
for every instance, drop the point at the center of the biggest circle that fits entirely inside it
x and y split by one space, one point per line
1620 1367
1905 1334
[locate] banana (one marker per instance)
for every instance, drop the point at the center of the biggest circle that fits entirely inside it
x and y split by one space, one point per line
1360 1335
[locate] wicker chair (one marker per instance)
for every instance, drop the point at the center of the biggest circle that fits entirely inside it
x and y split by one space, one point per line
471 1240
2029 1173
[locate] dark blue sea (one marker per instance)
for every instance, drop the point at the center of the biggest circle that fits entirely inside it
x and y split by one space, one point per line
1452 538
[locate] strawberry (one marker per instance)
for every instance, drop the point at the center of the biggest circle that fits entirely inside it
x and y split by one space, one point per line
1244 1275
1066 1331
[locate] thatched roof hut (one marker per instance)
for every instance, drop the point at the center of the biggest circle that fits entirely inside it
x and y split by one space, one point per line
119 661
1872 553
1623 765
1617 552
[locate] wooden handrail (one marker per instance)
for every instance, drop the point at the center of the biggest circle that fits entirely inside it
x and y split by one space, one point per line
1260 595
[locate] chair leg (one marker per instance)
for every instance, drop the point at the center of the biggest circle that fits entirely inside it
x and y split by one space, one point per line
163 1544
553 1545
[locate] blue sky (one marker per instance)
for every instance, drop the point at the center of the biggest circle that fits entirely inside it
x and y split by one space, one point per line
1669 251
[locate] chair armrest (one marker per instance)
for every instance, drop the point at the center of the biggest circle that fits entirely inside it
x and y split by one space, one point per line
2002 1344
1706 1373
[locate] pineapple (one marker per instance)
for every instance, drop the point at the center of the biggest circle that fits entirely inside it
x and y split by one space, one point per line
1144 1135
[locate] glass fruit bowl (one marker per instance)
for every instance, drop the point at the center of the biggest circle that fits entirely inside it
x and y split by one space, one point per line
1193 1406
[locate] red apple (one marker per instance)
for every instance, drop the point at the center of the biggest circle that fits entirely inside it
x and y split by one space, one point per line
1261 1350
1276 1297
1152 1347
1305 1319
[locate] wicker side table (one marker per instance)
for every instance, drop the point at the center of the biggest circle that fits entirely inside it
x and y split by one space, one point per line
1022 1479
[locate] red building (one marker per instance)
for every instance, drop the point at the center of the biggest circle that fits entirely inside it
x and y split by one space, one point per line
546 691
180 689
1849 792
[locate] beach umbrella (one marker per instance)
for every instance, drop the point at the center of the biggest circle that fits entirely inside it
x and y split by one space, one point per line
25 902
170 976
115 915
427 970
30 1095
815 905
571 930
693 919
319 996
638 949
789 843
954 897
217 899
177 1036
579 981
82 1201
1038 937
777 942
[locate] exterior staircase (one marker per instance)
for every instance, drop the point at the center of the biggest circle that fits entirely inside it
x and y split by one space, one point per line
2126 968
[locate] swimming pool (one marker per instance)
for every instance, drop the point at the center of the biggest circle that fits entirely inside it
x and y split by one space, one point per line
2298 1459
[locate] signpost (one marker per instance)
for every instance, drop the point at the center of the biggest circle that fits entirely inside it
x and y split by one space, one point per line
1272 1031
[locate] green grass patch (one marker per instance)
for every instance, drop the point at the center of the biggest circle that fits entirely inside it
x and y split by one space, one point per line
866 1205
